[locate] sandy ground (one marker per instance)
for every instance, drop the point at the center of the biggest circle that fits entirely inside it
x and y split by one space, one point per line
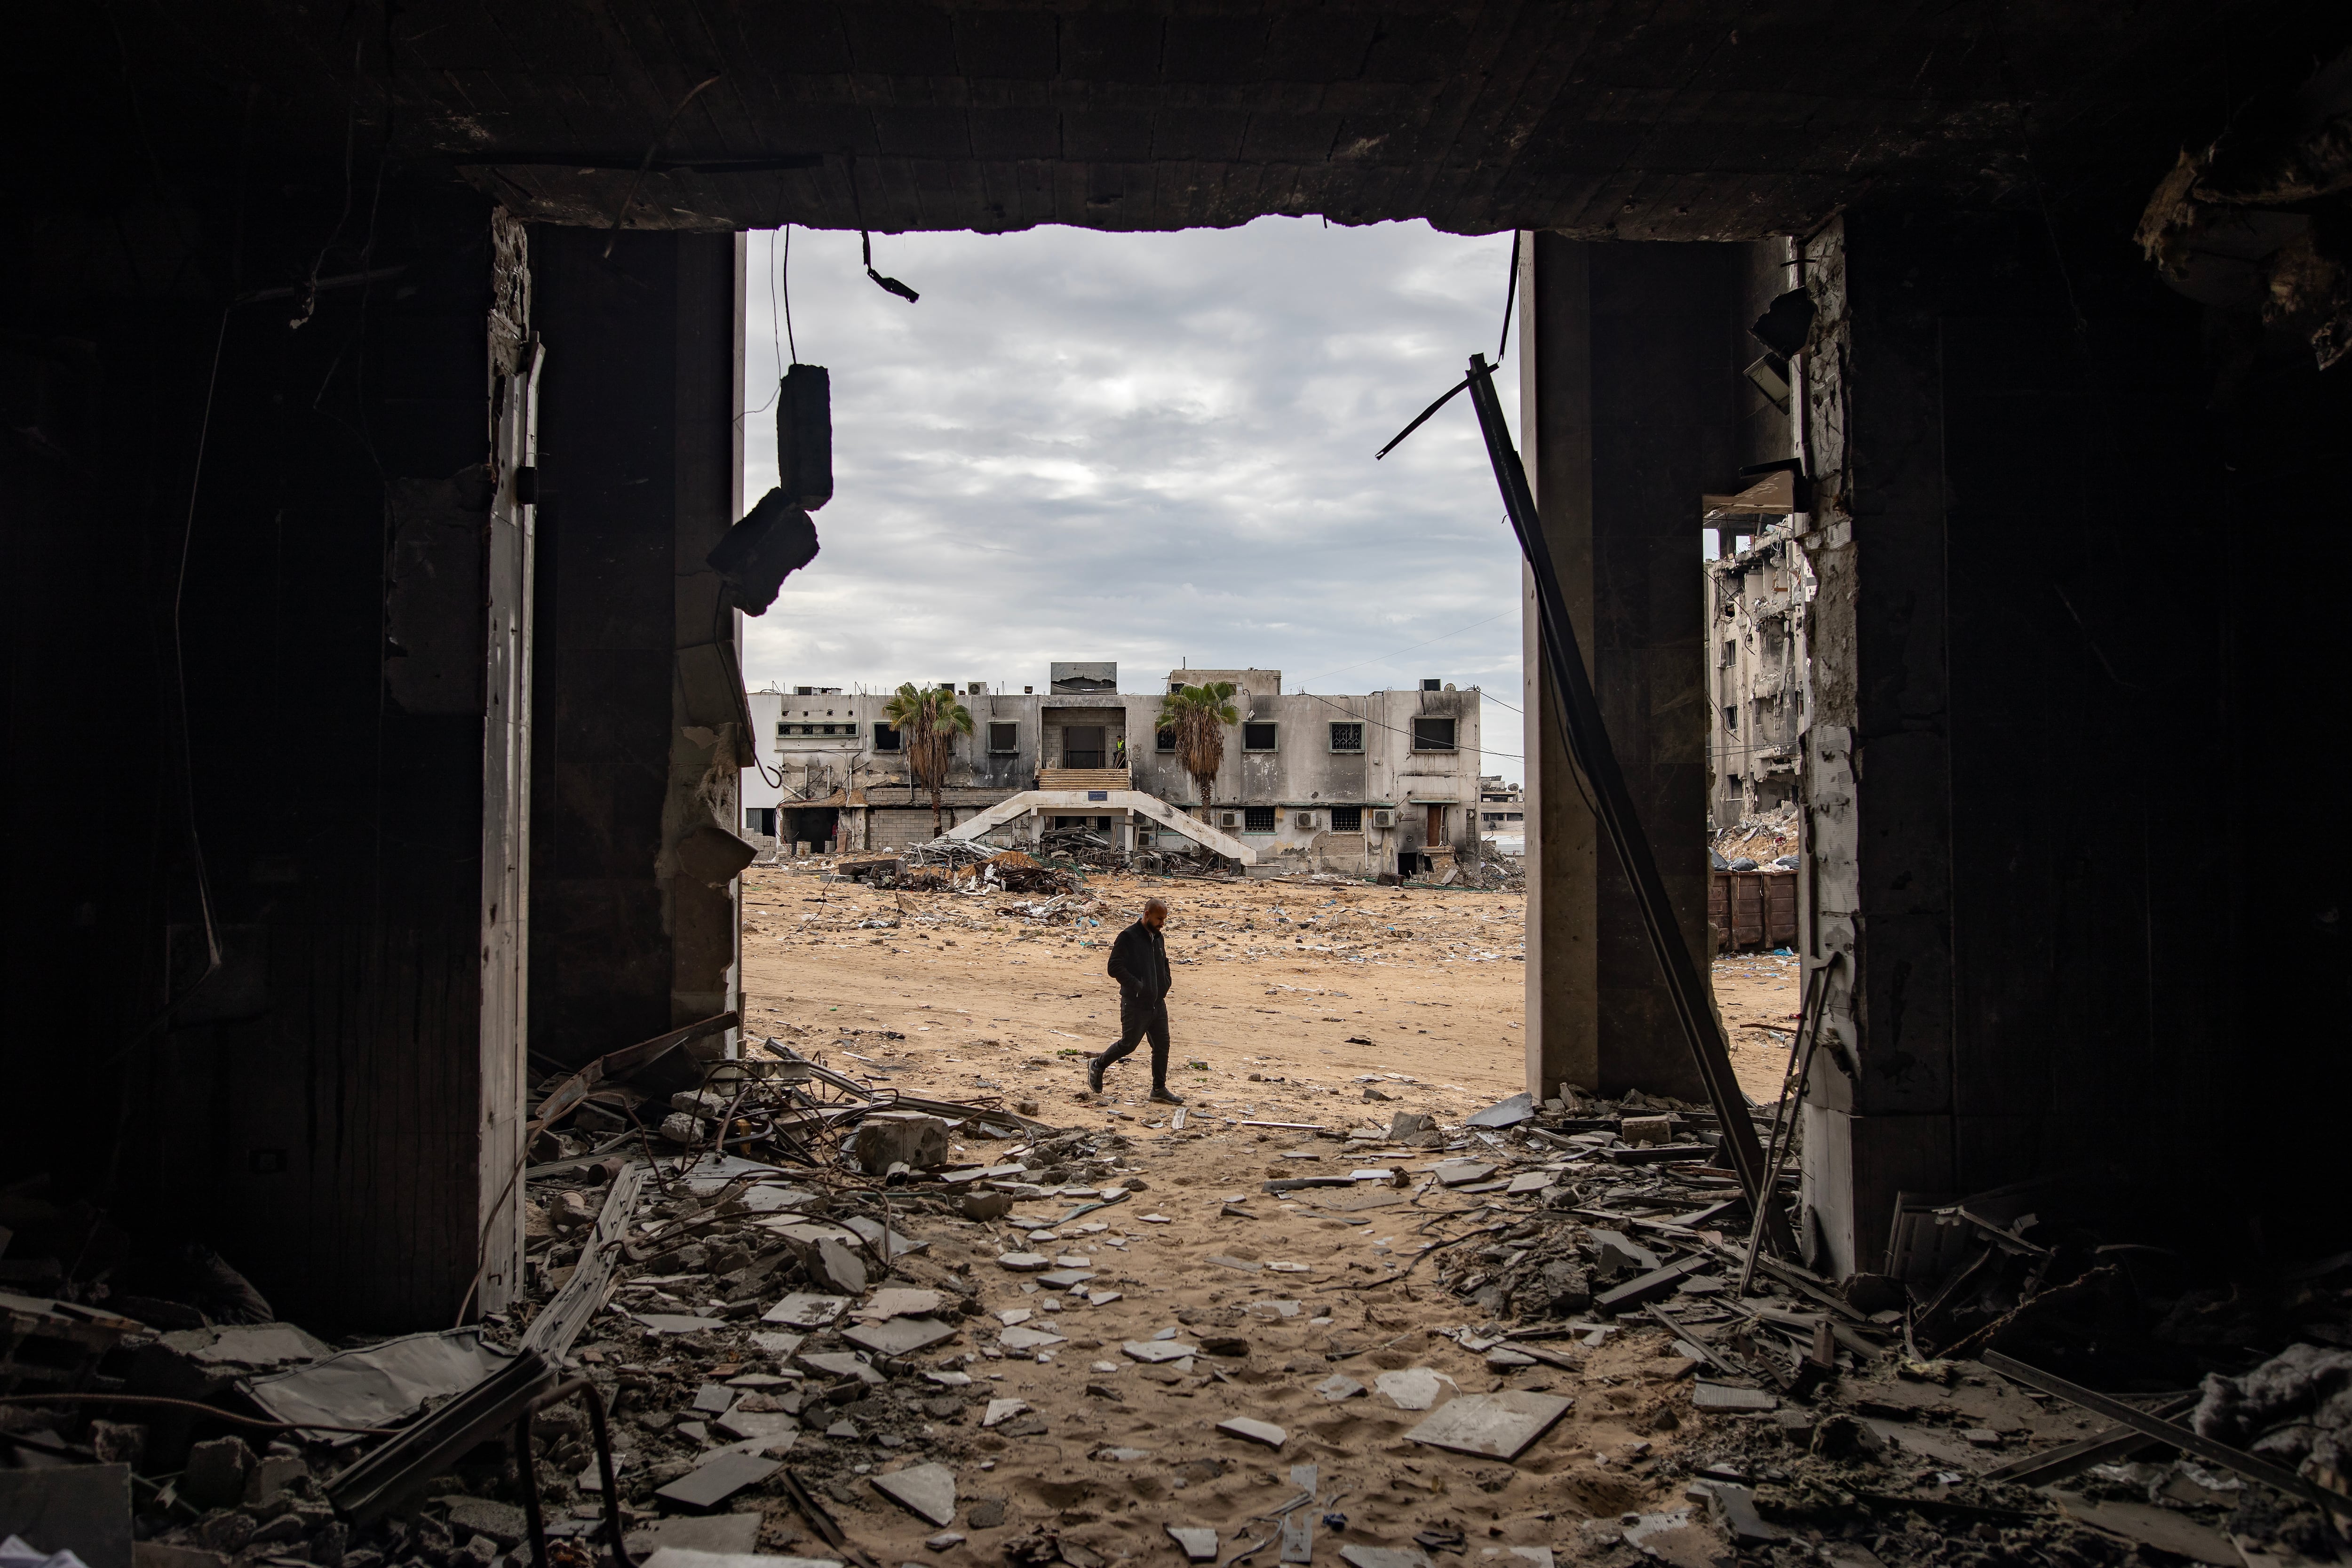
1270 978
1289 1001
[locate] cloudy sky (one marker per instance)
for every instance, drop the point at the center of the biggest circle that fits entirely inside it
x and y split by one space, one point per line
1150 448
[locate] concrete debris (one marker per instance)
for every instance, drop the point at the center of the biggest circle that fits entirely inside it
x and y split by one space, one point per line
926 1490
1255 1430
1499 1426
1197 1544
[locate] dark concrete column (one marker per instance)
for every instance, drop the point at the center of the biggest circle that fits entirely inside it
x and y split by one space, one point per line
640 723
1629 414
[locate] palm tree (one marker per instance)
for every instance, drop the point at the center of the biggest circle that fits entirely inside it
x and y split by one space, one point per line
1199 715
930 721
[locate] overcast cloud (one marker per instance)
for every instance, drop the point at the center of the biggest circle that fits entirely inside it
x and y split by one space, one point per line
1151 448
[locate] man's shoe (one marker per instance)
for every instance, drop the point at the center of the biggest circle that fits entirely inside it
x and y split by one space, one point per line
1094 1075
1159 1093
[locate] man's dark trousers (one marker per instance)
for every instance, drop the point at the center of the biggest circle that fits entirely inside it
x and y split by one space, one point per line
1138 1016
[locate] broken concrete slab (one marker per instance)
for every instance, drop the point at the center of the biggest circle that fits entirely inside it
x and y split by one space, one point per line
1156 1351
802 1310
1255 1431
1646 1131
1356 1556
1025 1262
1029 1340
1724 1398
832 1265
1414 1387
1462 1173
1497 1426
732 1533
2161 1527
900 1336
707 1486
1338 1387
901 1302
926 1491
758 1425
714 1399
1001 1410
840 1364
1062 1278
1197 1543
215 1473
1508 1112
1406 1124
683 1557
1733 1507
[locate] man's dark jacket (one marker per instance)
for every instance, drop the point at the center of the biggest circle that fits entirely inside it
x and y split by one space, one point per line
1138 962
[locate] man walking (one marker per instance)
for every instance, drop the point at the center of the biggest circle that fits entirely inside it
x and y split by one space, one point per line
1138 962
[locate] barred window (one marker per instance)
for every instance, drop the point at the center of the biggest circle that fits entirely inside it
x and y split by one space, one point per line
1347 818
1347 737
1164 743
1257 819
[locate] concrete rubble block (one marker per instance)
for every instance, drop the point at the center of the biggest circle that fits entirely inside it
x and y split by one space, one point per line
1152 1351
985 1513
1733 1507
1254 1431
1462 1173
917 1143
1643 1131
1338 1387
1029 1340
680 1128
216 1473
1000 1410
1406 1124
1024 1262
271 1475
1496 1425
926 1491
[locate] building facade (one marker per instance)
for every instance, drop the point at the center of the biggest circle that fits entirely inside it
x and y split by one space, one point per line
1759 599
1382 782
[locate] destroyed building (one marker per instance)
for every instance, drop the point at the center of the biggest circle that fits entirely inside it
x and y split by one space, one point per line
1758 595
374 375
1380 783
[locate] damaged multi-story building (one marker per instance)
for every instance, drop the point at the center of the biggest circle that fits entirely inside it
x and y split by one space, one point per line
1756 598
375 401
1384 781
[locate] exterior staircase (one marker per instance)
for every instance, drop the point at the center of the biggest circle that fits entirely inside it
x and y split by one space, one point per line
1096 801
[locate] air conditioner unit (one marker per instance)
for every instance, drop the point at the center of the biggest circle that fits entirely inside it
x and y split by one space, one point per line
1384 819
1229 819
1305 819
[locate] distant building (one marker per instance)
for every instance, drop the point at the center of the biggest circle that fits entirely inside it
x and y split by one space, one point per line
1760 599
1386 780
1503 815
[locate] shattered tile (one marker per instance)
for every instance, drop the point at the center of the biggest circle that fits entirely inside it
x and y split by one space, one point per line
900 1336
1003 1410
901 1302
1497 1426
1197 1544
707 1486
1028 1339
1257 1431
1025 1262
1722 1396
1338 1387
928 1491
1414 1388
801 1311
1155 1351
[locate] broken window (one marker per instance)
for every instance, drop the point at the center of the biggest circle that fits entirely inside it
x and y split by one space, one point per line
1347 737
1257 737
1164 743
1347 818
1731 717
1433 734
1257 819
887 739
1004 740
